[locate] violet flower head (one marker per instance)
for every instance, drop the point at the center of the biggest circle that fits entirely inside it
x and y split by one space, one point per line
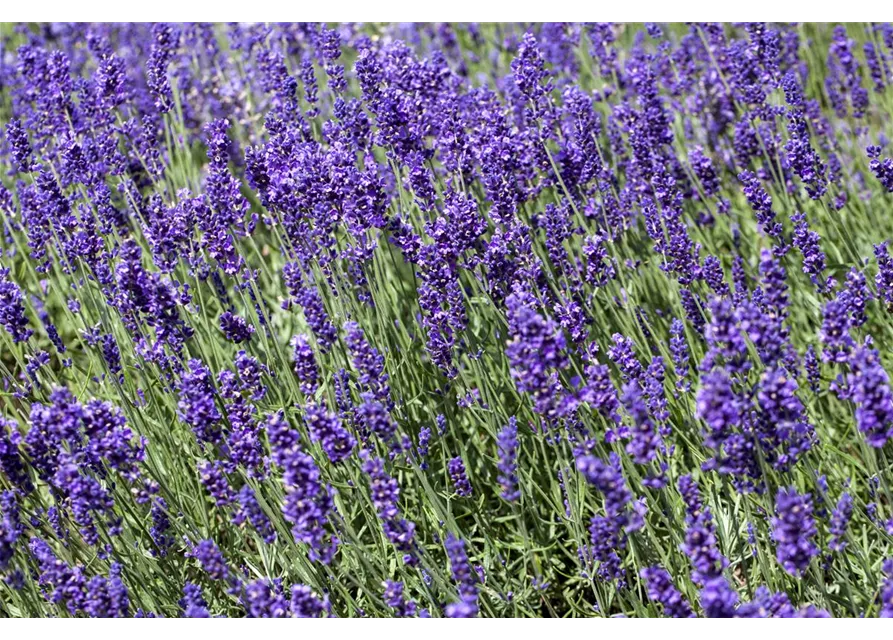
308 500
250 508
793 529
10 527
196 406
327 429
385 496
700 545
887 590
465 579
869 388
662 591
164 42
807 242
507 445
645 438
19 146
536 347
213 479
235 328
459 477
12 309
681 355
840 520
394 598
305 603
211 560
193 602
306 369
761 203
718 599
884 277
369 363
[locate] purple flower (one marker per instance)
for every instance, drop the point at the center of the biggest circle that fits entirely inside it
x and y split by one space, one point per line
307 604
385 496
164 43
793 529
193 603
459 477
645 438
761 204
835 337
107 597
373 418
700 544
718 599
326 428
884 277
251 509
465 579
393 597
369 363
308 500
680 353
19 146
196 406
10 527
662 591
422 448
12 309
211 560
882 169
507 444
859 295
12 462
887 590
306 369
161 525
869 387
536 347
599 392
213 478
264 599
808 243
308 298
235 328
840 520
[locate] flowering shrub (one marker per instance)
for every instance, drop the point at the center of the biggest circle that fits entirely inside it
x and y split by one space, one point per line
432 320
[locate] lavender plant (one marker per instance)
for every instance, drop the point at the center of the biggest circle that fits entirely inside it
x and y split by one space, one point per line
428 320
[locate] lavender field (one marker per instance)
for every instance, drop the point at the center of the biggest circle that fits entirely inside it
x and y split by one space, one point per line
446 320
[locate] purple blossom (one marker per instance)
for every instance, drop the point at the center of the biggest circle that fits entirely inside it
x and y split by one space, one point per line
793 529
235 328
385 496
369 363
12 309
193 602
196 406
326 428
887 590
459 478
308 500
393 597
250 508
869 388
306 368
465 579
662 591
840 520
507 444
